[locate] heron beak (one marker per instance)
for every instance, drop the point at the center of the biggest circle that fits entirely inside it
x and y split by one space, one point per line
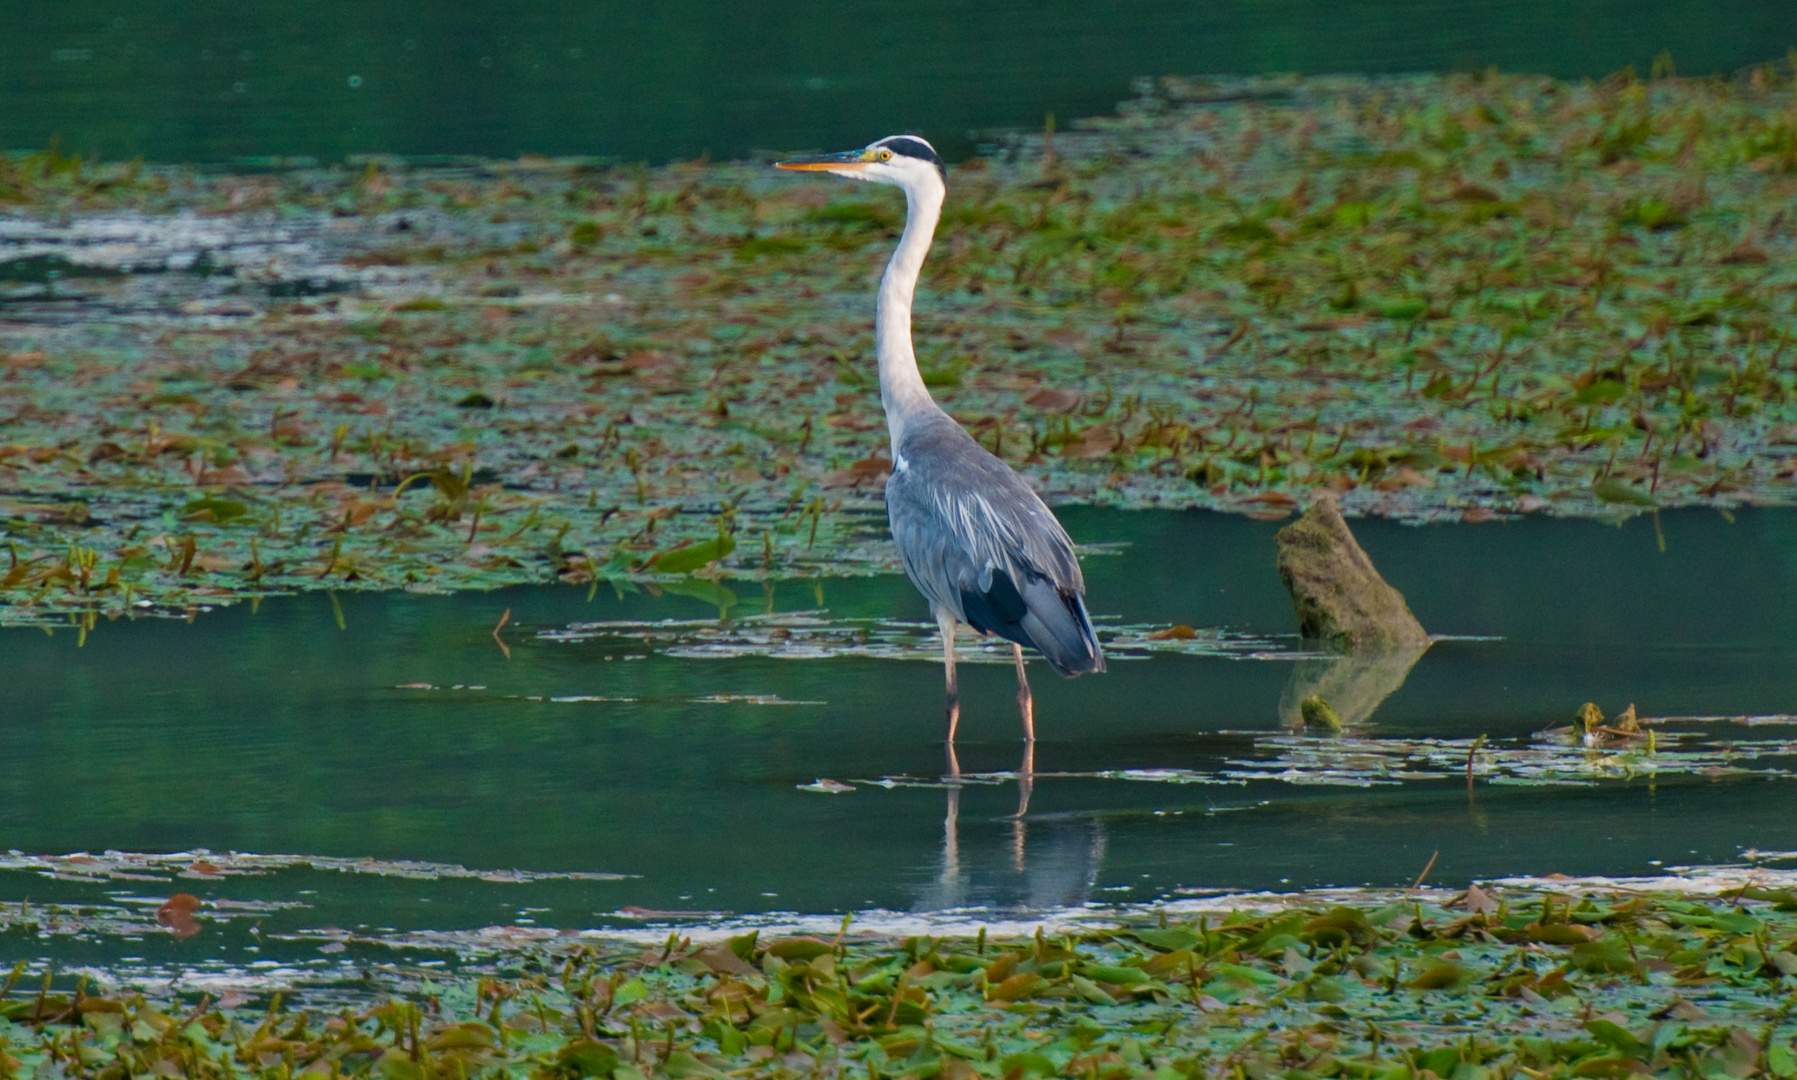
847 161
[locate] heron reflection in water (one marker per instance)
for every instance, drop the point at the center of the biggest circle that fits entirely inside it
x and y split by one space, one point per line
1042 865
975 539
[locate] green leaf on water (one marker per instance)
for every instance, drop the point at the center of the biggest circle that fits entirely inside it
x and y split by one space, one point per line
585 234
743 945
1117 976
629 991
1442 975
1169 939
799 948
396 1064
1618 1038
219 510
686 559
1091 991
1602 391
1610 489
1241 976
1736 922
1028 1063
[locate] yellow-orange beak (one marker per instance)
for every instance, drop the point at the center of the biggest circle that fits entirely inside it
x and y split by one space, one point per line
848 159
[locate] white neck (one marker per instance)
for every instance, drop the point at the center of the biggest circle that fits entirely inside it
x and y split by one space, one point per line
902 392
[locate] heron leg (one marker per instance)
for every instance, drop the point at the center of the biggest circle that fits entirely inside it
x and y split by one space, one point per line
947 623
1025 703
1026 781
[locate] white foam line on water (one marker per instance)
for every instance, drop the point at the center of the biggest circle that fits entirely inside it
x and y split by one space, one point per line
1684 880
577 699
877 923
207 865
750 699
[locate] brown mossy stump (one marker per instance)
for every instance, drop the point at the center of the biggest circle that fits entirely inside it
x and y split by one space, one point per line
1340 599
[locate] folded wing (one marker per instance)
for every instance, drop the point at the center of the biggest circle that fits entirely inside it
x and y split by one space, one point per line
980 544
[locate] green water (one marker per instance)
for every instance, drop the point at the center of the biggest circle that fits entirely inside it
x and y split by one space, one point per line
277 731
209 81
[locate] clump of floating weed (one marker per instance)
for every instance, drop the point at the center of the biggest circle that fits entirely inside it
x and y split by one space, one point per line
1501 981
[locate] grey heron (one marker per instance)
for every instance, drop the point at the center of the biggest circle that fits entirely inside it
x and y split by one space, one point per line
975 539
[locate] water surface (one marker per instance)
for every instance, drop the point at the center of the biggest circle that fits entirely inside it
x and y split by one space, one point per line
641 736
211 81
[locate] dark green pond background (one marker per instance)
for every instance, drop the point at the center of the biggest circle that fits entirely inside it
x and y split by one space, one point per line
211 81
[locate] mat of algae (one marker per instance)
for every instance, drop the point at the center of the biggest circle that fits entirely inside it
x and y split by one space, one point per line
1505 981
1443 297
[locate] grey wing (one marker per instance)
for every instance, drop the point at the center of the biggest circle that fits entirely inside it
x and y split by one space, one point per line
978 543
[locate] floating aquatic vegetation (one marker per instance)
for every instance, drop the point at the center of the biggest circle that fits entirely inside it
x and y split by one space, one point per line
1494 981
1547 758
816 635
1362 762
1443 297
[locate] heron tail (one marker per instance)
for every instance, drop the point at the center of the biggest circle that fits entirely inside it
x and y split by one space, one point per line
1041 615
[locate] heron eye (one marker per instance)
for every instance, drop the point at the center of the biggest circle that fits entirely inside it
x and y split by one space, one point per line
885 155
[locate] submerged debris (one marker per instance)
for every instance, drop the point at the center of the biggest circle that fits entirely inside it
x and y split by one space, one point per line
1316 713
1592 729
1338 595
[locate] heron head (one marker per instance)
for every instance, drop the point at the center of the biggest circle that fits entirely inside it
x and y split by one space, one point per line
902 160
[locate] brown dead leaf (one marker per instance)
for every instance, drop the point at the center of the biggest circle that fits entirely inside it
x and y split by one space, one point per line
1099 440
1180 632
1055 400
869 470
722 961
360 510
176 913
1679 1009
849 421
1480 902
1405 477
